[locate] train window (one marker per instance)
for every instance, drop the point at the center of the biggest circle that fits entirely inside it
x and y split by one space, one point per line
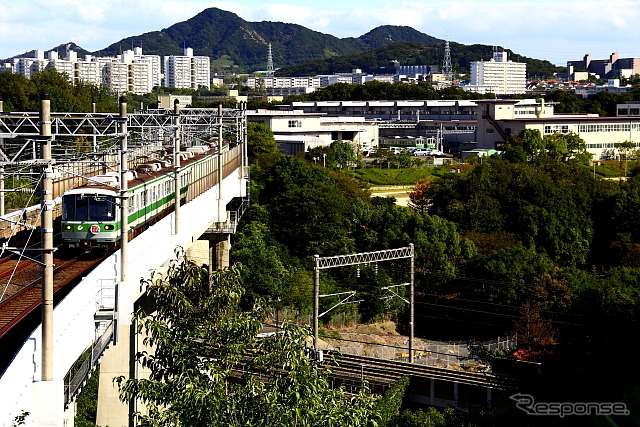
82 208
132 204
74 208
101 210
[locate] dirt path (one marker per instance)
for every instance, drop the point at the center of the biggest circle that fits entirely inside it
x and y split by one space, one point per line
401 193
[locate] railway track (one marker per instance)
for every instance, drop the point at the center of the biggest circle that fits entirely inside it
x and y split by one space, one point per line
23 292
368 367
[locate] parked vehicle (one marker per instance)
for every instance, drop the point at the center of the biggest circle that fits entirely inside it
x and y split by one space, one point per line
422 152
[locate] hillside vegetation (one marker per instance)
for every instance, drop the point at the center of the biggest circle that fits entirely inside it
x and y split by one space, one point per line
411 53
239 46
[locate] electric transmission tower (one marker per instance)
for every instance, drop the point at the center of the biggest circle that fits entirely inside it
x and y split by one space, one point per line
446 64
269 62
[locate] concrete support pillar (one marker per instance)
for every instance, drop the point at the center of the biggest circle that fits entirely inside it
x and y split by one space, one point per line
432 391
219 252
455 394
198 252
115 362
212 249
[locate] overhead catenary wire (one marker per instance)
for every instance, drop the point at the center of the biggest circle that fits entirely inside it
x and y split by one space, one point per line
22 253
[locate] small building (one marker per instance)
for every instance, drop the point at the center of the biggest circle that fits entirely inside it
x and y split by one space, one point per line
168 101
297 131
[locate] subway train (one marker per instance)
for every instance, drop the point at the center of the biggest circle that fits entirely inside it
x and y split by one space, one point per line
91 212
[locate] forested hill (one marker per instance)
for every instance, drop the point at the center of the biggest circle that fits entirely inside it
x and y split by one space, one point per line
238 45
408 53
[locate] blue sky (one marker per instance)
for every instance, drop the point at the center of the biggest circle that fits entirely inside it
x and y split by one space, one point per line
557 31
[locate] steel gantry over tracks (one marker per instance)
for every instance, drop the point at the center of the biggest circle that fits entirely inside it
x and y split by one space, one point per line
363 258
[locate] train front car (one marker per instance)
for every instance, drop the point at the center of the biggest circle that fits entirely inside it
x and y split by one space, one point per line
90 217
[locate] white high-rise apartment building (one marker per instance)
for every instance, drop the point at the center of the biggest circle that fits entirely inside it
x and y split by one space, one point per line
188 71
89 71
498 76
129 72
26 66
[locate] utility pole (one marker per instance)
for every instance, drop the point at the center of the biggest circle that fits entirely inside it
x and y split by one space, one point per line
176 166
1 170
1 190
411 301
222 207
124 200
316 298
95 137
46 232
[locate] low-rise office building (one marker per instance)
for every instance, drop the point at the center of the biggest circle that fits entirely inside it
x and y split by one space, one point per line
297 131
500 119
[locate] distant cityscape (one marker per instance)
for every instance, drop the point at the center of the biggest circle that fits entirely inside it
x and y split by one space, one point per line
131 71
134 72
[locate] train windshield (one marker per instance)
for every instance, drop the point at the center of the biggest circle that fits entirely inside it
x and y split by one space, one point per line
80 207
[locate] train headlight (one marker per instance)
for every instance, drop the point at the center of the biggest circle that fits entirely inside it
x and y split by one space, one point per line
108 227
67 227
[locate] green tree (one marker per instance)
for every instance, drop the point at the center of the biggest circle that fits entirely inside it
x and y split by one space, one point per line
313 219
511 271
18 93
403 159
532 142
60 89
260 140
626 148
202 338
342 155
265 273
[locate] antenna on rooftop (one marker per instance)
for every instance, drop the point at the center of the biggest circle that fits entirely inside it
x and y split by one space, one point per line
270 70
446 63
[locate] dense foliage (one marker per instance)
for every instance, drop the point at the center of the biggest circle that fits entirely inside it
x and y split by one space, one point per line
300 208
535 244
21 94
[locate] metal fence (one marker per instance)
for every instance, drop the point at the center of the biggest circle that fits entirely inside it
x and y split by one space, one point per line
441 354
75 379
459 354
